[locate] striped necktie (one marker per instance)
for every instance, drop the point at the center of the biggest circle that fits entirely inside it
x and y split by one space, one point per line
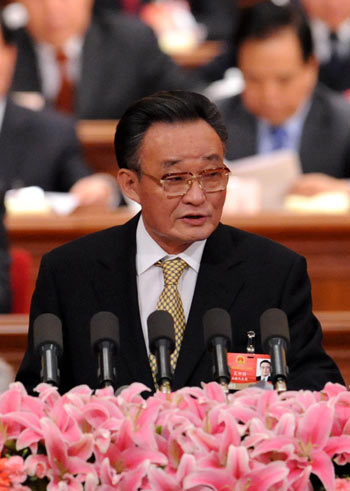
170 300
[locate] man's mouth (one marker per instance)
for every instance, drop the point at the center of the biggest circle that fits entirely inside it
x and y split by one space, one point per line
194 218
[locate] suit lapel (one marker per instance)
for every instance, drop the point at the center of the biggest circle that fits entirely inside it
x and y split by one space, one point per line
92 56
218 284
116 291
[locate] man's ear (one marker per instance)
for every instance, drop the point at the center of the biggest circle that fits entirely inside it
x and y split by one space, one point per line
128 181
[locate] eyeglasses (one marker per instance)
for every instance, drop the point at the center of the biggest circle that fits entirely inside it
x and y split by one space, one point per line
178 183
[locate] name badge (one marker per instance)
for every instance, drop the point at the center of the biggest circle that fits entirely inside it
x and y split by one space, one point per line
247 369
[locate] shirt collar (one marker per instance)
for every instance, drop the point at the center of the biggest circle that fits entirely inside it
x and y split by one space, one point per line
72 48
292 124
149 252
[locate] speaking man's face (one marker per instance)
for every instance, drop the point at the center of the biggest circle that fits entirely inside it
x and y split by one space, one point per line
177 222
55 21
277 79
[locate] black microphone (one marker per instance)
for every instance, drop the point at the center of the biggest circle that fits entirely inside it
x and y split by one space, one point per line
275 340
47 338
218 338
161 339
104 333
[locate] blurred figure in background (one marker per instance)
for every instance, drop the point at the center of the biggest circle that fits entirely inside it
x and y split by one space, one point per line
92 67
330 24
40 148
282 106
217 17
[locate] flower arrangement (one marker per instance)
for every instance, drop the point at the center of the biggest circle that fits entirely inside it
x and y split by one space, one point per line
192 439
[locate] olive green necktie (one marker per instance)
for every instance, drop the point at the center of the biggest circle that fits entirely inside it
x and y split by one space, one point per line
170 301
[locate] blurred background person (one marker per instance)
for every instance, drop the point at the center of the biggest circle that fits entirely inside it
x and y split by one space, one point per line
218 18
40 148
282 106
91 66
330 24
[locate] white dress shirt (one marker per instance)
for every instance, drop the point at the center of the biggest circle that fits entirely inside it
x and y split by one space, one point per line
150 279
49 70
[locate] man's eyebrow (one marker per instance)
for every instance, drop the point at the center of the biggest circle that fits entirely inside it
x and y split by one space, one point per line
213 156
170 162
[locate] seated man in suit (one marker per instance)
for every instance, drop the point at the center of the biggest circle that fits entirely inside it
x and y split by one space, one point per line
40 148
170 149
282 106
330 24
92 67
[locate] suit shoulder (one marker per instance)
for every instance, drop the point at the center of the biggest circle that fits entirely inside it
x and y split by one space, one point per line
229 105
120 26
115 239
256 246
334 103
45 118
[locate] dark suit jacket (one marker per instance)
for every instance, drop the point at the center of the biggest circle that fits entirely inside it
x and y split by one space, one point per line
39 149
325 141
240 272
121 62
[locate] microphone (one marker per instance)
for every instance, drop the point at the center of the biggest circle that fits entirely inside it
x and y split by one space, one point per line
48 342
104 335
161 338
275 340
218 338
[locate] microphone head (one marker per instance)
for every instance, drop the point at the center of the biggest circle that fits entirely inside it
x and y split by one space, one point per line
217 322
160 326
47 328
104 326
273 324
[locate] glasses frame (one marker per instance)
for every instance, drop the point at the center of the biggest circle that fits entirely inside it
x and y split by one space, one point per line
190 180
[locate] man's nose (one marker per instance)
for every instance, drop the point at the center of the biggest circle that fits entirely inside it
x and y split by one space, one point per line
195 193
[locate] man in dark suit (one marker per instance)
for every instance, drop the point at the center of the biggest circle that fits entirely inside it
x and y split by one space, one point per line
110 60
330 24
281 105
40 148
170 150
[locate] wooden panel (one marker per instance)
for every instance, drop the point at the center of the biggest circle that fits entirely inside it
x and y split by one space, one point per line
335 325
97 140
323 240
